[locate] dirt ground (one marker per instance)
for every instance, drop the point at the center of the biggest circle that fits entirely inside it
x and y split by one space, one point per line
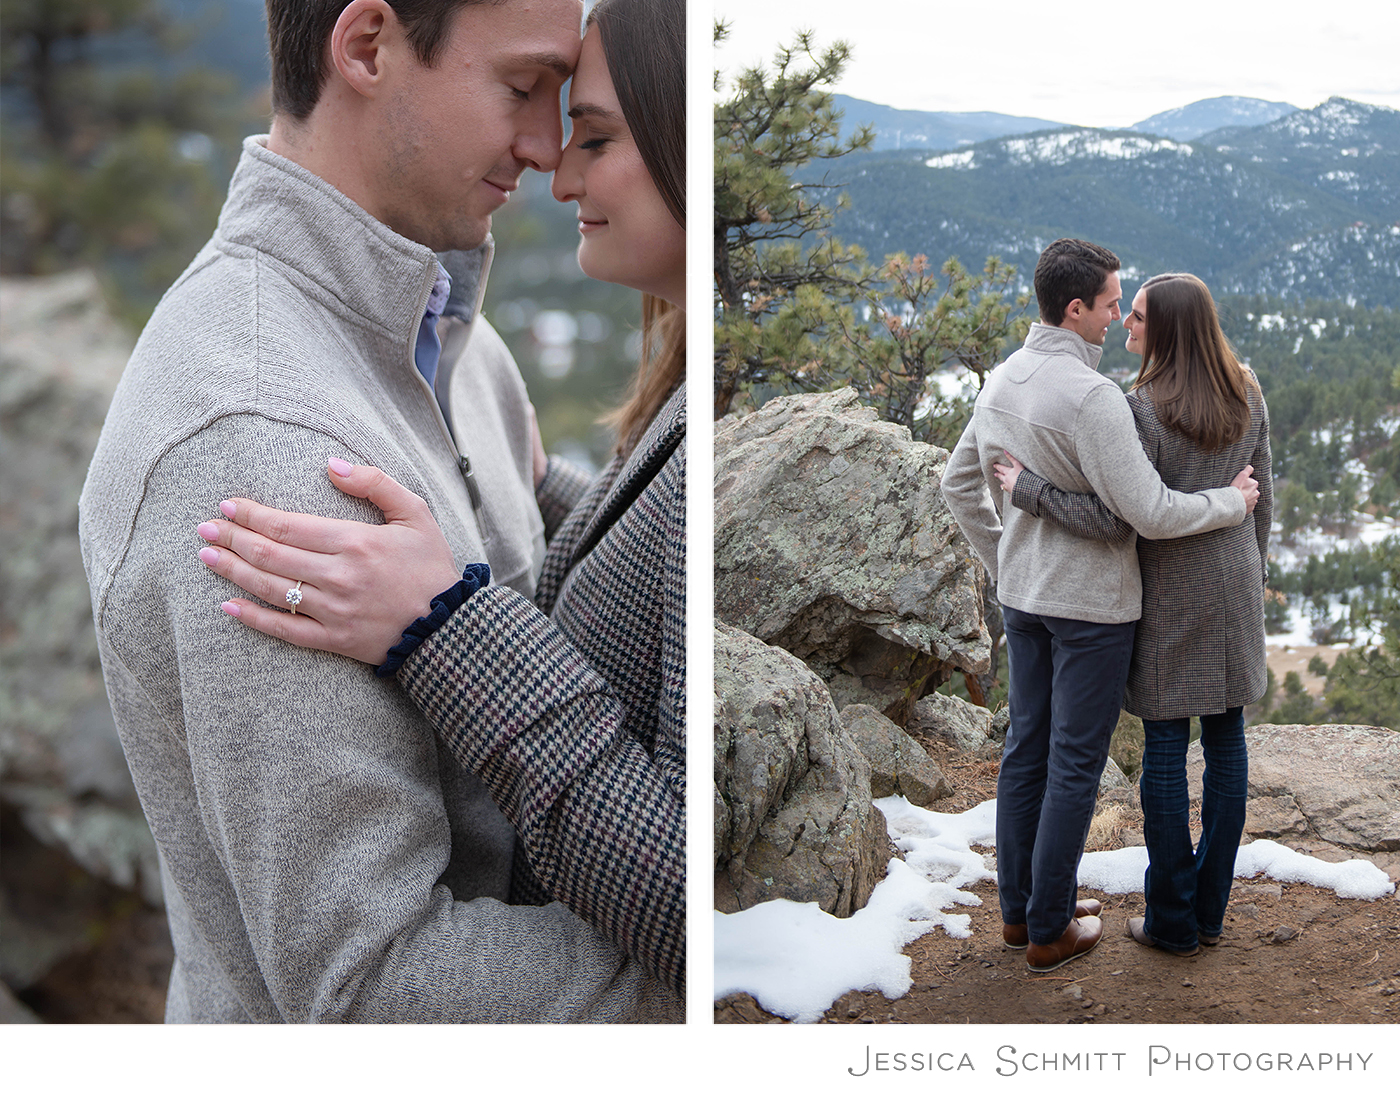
1291 954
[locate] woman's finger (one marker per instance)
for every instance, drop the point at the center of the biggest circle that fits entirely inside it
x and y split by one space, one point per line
264 554
399 504
295 529
269 587
297 629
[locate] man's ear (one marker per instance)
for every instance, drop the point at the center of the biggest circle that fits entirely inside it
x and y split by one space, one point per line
365 33
1073 310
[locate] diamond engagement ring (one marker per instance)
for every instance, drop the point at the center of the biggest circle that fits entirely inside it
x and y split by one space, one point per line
294 597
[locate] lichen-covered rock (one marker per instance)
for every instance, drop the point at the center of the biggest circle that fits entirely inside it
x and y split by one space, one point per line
950 719
1340 783
898 762
793 812
832 540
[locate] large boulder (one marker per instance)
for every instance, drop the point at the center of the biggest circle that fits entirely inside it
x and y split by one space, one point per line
793 815
1340 783
832 540
898 763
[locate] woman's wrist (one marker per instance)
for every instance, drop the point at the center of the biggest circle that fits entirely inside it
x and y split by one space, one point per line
475 576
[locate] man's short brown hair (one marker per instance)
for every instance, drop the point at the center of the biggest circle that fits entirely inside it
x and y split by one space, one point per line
297 32
1069 270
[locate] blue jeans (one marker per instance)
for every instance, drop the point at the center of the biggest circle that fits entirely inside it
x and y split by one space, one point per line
1067 679
1187 890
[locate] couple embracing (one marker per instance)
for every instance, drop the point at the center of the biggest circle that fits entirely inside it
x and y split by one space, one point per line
1133 555
488 824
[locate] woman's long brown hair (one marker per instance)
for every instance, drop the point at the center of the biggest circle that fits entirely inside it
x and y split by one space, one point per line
644 44
1199 387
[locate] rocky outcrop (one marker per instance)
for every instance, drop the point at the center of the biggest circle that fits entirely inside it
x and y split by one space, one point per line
898 763
1339 783
832 540
793 817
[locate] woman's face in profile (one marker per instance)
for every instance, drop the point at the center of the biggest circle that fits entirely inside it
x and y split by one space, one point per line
628 235
1136 323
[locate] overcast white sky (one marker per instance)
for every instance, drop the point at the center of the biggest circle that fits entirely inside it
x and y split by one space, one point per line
1085 63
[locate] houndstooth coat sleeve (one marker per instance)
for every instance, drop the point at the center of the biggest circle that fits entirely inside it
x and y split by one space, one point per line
571 709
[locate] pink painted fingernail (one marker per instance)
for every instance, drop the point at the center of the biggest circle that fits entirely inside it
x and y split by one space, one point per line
208 531
228 508
340 467
209 556
231 608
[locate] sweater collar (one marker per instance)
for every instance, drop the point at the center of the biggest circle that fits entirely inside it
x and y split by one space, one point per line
1060 340
282 210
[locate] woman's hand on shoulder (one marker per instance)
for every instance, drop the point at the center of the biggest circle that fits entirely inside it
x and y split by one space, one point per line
353 587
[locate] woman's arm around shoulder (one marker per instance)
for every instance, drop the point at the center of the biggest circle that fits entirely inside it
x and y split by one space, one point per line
601 815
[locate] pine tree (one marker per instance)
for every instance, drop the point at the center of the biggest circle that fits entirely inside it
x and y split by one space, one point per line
779 275
796 309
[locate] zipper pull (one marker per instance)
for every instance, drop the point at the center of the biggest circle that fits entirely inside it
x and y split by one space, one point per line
464 465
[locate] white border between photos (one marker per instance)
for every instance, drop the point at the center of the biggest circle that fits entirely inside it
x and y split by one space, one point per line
700 574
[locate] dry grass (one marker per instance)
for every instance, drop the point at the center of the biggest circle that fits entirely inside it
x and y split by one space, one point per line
1107 827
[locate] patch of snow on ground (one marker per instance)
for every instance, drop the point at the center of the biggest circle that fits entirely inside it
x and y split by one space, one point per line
796 959
1120 871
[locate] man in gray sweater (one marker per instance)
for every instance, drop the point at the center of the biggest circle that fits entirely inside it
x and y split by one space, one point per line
1070 604
323 858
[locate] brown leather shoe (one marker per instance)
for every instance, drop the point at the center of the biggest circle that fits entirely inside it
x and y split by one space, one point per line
1016 936
1137 930
1081 935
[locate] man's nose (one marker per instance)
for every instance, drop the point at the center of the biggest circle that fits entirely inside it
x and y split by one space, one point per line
541 140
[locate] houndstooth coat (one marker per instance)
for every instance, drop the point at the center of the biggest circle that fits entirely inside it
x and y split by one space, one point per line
1200 641
571 709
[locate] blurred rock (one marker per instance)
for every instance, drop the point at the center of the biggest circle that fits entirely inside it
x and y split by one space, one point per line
63 777
793 814
832 541
13 1011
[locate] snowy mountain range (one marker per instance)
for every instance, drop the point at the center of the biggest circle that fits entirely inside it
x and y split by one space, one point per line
1304 205
937 130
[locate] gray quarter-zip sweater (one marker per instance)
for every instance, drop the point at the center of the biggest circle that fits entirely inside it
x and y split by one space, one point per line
322 857
1048 406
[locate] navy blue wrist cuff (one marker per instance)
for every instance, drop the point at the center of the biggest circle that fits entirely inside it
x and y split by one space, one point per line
477 575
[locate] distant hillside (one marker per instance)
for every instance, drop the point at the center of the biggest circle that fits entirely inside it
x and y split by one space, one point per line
934 130
1199 118
1348 149
1305 206
929 129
